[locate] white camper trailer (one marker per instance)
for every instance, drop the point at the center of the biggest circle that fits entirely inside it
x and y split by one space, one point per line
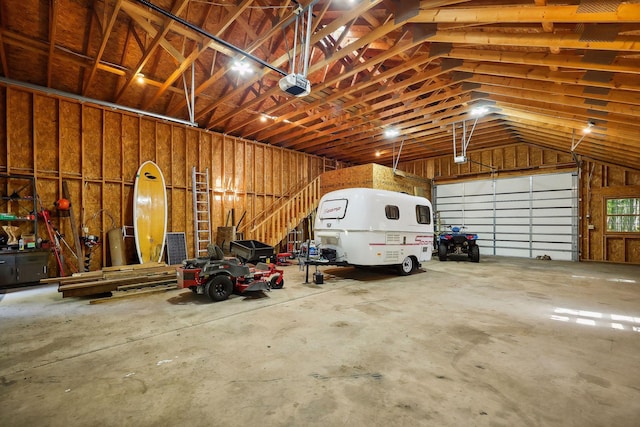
368 227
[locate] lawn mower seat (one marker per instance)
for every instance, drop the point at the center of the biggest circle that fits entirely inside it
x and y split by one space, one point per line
215 253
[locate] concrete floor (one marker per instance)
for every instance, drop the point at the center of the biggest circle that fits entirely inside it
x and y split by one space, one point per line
506 342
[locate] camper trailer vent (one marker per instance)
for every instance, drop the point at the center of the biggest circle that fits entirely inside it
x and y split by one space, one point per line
393 238
392 256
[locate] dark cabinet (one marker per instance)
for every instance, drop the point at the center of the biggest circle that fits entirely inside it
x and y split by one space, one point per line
22 267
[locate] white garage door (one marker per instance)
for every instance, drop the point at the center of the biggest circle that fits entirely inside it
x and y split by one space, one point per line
523 217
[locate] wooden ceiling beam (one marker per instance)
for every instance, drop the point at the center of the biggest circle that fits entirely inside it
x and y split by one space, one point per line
590 147
106 33
158 40
328 29
525 14
3 53
541 40
372 114
577 90
570 134
574 62
417 109
569 118
619 81
336 95
197 52
561 99
360 100
219 75
485 133
53 25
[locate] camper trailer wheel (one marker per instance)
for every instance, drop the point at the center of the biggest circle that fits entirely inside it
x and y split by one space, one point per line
219 288
407 266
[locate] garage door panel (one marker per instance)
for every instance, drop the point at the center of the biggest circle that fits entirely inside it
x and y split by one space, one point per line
478 187
509 197
479 198
478 206
520 253
450 205
513 213
523 213
511 244
451 190
546 246
513 185
512 221
513 237
480 230
551 229
556 194
475 213
552 213
513 228
552 203
552 182
516 204
567 221
557 238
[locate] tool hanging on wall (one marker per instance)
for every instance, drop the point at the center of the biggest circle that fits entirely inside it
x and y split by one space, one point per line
46 216
74 227
90 242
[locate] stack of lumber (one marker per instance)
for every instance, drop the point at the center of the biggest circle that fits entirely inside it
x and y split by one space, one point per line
112 279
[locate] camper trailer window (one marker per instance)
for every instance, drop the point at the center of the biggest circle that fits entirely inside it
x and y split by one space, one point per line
423 214
392 212
333 209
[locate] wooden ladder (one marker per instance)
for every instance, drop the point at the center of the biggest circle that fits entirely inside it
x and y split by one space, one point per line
201 211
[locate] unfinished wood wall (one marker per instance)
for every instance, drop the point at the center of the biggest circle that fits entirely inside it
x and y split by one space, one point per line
374 176
98 150
597 183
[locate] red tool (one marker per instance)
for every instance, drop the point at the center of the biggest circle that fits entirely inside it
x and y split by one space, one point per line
52 238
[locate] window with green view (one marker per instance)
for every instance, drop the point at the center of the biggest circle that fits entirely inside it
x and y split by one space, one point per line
623 215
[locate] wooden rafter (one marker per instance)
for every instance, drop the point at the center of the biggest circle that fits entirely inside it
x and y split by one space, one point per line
528 60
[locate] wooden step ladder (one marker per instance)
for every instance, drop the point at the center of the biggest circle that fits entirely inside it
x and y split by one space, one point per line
201 211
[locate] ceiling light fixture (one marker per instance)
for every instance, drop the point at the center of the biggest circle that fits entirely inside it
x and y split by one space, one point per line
241 68
479 111
140 78
586 131
391 132
587 128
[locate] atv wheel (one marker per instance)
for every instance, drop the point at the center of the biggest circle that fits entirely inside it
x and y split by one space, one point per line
219 288
442 252
474 253
274 283
407 266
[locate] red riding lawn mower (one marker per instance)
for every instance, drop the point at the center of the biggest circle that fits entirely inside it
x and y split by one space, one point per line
219 277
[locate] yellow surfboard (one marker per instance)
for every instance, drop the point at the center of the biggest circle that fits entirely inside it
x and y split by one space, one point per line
149 213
